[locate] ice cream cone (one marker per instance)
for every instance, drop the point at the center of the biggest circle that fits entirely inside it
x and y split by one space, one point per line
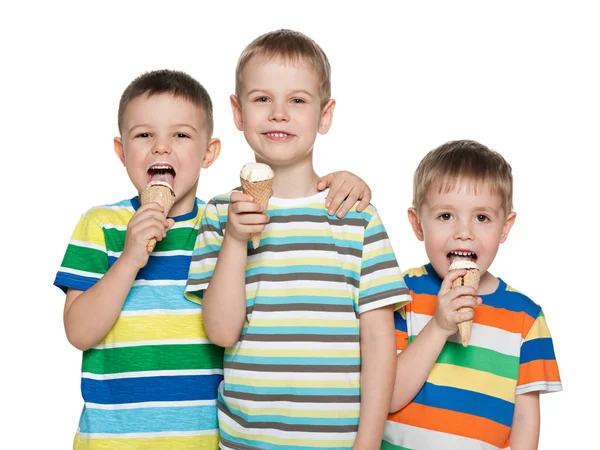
257 181
471 278
161 193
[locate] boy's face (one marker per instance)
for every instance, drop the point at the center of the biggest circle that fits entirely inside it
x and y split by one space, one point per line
462 224
279 110
165 138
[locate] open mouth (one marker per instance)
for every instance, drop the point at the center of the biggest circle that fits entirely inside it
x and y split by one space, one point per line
461 255
161 172
278 136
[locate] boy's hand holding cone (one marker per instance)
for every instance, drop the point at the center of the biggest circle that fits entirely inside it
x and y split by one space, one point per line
257 181
159 192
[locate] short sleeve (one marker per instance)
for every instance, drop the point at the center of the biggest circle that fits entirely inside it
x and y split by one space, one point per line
381 281
206 249
86 258
538 370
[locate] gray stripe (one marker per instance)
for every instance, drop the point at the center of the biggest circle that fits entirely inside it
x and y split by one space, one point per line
302 276
202 257
196 282
392 263
210 229
300 307
301 337
226 444
292 398
383 295
318 219
376 237
292 368
288 427
306 246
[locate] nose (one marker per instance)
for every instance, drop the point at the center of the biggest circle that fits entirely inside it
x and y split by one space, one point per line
161 146
279 113
463 230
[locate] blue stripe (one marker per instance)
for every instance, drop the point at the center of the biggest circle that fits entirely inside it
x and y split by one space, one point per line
349 331
400 322
378 259
263 390
383 288
150 389
335 421
540 348
212 222
135 203
163 267
143 298
283 361
66 280
149 420
467 402
268 446
375 230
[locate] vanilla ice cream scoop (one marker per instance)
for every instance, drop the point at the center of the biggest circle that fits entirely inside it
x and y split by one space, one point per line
463 264
254 172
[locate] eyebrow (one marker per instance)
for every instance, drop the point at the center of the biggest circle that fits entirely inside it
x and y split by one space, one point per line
304 91
141 125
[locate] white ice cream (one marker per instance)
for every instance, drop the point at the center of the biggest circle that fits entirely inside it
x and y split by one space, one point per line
256 172
462 264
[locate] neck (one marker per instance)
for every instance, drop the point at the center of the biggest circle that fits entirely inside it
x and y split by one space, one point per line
488 284
295 180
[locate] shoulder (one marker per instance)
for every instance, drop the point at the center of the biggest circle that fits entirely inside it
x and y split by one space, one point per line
515 301
115 214
422 280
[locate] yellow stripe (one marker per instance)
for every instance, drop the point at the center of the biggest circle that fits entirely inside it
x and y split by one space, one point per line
512 289
294 383
92 234
288 442
156 327
301 262
415 272
352 414
473 380
304 323
539 329
298 352
373 282
116 217
208 442
387 250
205 268
300 291
315 233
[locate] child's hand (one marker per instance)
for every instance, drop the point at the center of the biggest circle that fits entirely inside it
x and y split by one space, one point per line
450 300
148 222
244 217
346 188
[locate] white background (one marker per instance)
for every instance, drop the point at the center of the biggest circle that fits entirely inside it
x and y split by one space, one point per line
521 77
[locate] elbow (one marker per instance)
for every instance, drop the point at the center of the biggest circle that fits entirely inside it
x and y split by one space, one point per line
222 338
79 340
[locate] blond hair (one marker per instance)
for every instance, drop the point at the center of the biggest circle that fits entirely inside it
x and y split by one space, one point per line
458 161
291 46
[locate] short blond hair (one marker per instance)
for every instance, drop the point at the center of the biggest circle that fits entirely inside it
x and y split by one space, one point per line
291 46
457 161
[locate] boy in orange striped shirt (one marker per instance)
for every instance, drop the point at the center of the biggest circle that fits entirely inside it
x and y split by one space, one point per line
485 395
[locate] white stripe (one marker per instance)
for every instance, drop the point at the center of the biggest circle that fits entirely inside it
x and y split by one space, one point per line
155 253
422 439
318 376
308 435
382 243
304 345
302 254
181 404
541 386
88 245
184 224
302 315
257 406
159 282
147 435
81 273
153 342
149 373
384 302
299 284
482 336
154 312
390 271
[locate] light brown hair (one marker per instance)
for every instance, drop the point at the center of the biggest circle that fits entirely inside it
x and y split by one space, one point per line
178 84
458 161
291 46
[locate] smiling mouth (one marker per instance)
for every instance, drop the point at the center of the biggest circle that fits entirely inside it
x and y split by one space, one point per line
278 136
460 255
161 172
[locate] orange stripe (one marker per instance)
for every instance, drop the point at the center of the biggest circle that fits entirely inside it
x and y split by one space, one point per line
452 422
538 370
422 304
401 339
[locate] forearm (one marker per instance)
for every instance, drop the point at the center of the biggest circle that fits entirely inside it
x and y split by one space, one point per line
224 302
414 365
378 350
90 315
525 430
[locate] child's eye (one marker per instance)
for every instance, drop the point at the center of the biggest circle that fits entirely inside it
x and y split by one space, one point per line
482 218
298 101
445 216
182 135
262 99
142 135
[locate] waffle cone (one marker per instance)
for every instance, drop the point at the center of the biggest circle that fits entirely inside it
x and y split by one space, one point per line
471 278
162 194
261 191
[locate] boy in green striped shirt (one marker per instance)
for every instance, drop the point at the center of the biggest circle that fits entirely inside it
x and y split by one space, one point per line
149 374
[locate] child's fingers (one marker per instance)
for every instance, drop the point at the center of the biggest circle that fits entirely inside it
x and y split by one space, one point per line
465 301
337 194
464 315
149 213
246 207
450 277
365 198
348 202
253 219
240 197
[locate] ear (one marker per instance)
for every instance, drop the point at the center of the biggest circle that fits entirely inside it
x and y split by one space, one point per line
326 117
415 223
236 107
118 144
508 224
213 150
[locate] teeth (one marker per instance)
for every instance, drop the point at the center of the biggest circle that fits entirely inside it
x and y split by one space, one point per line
463 253
161 167
278 135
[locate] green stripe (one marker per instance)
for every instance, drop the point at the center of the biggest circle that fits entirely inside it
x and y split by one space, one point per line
387 446
86 259
177 239
153 357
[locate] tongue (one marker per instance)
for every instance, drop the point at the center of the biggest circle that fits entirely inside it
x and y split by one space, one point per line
164 177
460 258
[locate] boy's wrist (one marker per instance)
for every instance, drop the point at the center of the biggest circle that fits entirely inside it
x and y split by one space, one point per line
437 331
